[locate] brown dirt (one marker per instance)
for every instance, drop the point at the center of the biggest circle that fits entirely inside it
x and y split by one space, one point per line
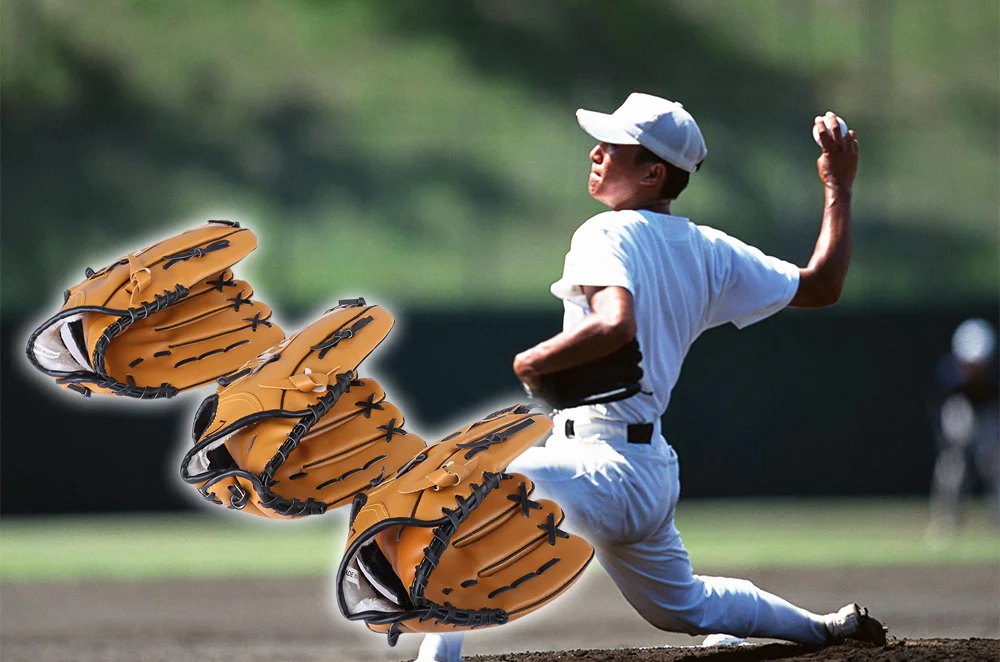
257 620
957 650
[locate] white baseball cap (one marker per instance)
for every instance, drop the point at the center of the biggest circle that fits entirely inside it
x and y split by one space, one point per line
661 126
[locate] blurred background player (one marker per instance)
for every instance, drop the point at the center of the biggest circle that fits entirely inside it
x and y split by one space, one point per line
964 405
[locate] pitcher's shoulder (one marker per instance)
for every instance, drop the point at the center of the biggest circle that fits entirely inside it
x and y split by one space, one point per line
712 234
625 221
610 218
720 240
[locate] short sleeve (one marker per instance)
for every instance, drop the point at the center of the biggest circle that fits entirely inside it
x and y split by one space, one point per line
598 256
748 286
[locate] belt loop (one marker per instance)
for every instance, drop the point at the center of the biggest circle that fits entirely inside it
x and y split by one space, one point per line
570 432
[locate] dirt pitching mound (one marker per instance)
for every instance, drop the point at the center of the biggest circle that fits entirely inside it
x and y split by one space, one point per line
905 650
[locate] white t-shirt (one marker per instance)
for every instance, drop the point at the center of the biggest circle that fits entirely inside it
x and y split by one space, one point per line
684 279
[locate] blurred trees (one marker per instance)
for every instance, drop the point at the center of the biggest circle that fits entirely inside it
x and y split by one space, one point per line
426 152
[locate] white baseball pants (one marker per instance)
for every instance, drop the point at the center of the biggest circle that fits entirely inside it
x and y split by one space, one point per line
621 498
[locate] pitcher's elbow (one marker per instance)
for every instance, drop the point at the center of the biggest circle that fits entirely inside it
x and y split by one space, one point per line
618 331
830 296
624 330
818 289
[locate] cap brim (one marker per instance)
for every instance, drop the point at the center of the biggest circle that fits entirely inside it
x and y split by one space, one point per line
604 128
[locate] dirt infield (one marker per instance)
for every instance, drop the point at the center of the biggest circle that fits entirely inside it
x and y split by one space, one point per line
956 650
259 620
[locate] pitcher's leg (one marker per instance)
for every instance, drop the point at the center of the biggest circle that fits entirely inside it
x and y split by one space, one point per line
444 647
655 577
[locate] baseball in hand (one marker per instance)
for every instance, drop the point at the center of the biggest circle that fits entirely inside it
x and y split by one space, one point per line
828 121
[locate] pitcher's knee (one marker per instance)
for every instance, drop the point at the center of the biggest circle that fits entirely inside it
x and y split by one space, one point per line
686 621
683 613
705 605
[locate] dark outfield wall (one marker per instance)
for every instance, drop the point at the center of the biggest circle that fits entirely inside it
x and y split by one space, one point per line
812 404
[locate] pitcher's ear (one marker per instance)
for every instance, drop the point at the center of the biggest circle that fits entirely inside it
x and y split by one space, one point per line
657 173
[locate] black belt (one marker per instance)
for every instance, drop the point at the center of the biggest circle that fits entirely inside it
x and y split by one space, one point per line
638 433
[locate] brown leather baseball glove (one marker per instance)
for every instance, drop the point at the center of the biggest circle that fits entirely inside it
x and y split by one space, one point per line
167 318
295 431
453 542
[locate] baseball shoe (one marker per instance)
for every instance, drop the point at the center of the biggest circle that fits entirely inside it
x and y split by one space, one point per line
853 622
444 647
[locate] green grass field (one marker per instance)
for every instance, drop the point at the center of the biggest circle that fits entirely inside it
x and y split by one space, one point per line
731 535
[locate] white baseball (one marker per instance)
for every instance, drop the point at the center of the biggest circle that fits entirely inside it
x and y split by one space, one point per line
827 120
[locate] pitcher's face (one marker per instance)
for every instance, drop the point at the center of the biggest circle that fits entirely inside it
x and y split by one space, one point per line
615 176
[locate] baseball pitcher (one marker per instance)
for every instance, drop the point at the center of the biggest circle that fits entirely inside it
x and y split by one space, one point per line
640 275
